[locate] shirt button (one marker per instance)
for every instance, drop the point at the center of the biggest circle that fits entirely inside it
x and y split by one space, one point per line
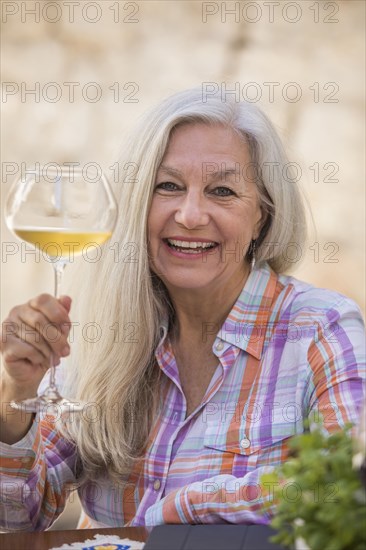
245 443
157 484
219 346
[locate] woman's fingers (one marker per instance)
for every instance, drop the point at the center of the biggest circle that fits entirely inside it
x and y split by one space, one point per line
34 335
45 322
24 364
18 350
46 336
54 310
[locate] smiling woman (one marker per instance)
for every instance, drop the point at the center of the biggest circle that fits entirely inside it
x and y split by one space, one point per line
221 210
229 354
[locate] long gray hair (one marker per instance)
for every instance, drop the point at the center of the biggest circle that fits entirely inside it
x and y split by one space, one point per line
117 375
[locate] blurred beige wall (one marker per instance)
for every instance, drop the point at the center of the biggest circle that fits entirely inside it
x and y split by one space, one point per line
110 61
94 67
303 61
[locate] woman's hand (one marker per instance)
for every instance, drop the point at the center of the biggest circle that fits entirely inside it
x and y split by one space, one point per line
32 336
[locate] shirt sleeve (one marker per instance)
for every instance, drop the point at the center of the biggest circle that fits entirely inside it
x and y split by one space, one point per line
335 392
336 357
219 499
37 473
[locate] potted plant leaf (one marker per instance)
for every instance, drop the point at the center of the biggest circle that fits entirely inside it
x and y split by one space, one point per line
319 494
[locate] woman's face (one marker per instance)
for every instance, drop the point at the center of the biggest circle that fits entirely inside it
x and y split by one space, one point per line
205 209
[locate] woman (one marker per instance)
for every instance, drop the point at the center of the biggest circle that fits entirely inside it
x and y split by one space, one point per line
210 357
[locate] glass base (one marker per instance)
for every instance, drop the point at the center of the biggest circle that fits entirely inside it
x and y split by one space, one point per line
50 403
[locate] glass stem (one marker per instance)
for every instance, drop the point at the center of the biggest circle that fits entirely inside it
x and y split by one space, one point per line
59 270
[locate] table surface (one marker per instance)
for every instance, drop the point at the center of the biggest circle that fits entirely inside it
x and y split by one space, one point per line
50 539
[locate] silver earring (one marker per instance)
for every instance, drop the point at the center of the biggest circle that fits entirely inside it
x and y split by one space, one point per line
252 252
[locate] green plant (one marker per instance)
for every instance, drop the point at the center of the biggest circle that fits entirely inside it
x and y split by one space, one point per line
318 494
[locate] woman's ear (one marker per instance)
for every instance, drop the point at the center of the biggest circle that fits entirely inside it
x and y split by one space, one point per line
263 226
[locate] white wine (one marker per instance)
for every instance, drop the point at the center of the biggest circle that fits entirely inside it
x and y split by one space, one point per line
63 215
61 242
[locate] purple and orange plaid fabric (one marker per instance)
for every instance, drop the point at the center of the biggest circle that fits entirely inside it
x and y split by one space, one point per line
286 350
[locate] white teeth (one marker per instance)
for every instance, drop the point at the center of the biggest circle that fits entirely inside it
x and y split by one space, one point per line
193 244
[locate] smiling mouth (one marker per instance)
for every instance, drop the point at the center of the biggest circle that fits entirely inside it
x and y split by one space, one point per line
191 247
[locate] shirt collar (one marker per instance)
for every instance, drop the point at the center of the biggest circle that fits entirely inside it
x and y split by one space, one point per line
245 325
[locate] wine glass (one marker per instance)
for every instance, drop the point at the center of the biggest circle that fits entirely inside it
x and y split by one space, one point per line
60 211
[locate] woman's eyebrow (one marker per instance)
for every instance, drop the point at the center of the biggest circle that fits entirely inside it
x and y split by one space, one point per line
207 173
170 170
220 175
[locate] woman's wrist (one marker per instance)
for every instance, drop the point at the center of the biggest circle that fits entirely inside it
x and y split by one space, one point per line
14 424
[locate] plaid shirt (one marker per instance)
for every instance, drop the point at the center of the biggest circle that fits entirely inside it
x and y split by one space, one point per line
286 349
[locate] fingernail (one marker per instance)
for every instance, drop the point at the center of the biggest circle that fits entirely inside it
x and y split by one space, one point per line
65 351
65 328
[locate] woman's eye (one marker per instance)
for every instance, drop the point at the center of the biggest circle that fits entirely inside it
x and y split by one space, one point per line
223 191
167 186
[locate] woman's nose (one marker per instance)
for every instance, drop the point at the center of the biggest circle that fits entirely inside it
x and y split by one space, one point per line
192 211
